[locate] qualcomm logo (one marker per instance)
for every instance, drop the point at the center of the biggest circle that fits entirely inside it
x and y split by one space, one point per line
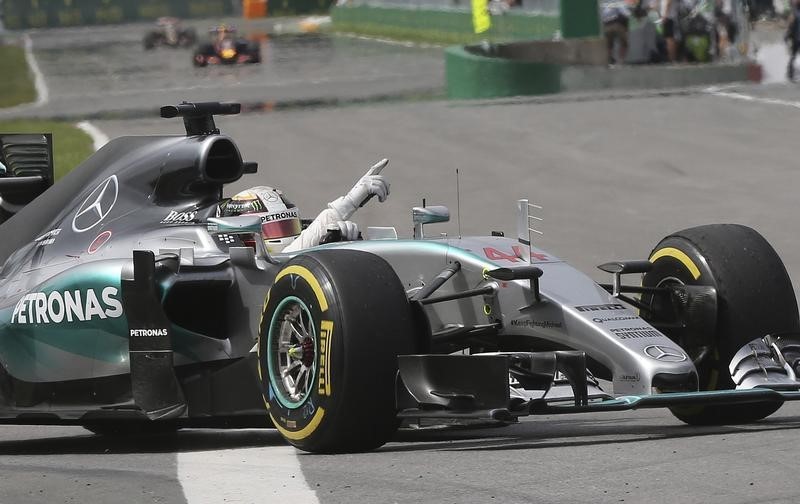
664 353
96 206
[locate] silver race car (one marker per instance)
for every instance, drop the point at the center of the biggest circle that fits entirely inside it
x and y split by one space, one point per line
126 305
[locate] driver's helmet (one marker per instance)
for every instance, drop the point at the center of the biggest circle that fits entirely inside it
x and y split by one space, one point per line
280 218
222 30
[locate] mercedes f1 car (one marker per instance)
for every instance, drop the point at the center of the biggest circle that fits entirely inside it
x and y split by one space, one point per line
127 304
169 33
225 48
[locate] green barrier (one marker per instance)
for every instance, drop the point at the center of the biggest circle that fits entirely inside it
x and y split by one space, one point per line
449 25
295 7
472 75
580 18
22 14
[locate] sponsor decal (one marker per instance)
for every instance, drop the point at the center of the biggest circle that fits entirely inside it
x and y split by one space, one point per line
664 353
324 381
174 217
226 238
600 307
96 206
544 324
47 238
635 332
308 409
630 377
136 333
68 306
603 320
99 241
516 254
290 213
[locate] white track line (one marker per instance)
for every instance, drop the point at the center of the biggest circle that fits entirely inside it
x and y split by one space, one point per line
99 138
42 93
756 99
269 474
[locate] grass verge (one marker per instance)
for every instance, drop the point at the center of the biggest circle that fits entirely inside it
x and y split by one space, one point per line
71 145
16 84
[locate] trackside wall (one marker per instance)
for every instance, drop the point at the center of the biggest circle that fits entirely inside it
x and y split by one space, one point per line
22 14
441 24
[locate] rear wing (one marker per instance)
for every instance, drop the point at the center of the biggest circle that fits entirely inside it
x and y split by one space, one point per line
26 169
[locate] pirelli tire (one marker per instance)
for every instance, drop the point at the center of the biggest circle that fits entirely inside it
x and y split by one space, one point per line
333 324
754 298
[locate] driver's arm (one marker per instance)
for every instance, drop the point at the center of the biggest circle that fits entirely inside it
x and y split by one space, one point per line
337 215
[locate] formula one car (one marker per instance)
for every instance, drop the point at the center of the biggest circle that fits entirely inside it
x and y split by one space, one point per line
226 48
126 304
169 33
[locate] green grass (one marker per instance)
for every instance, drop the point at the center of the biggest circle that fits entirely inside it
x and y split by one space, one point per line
406 34
71 145
16 84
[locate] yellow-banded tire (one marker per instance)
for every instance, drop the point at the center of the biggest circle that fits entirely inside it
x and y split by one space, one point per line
333 324
754 298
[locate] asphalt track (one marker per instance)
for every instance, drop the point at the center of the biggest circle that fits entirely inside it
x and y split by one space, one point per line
614 174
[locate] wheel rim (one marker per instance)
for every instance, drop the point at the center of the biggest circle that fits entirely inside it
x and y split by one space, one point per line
292 352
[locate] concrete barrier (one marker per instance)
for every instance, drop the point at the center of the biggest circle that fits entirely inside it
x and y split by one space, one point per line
472 75
577 65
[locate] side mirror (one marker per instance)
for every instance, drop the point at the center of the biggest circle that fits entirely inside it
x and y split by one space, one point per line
241 224
428 215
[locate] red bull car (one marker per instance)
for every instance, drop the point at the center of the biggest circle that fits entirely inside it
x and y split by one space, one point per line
226 48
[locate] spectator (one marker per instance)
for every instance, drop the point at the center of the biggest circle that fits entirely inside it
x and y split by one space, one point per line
616 18
669 27
725 29
792 36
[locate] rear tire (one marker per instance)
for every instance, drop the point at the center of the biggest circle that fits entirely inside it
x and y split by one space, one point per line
754 298
333 325
150 41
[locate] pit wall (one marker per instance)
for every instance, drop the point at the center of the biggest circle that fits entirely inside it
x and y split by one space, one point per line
439 24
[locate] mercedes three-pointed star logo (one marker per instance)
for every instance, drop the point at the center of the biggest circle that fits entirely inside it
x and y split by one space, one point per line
96 206
664 353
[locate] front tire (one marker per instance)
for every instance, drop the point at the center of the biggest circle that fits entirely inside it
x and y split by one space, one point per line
333 325
754 298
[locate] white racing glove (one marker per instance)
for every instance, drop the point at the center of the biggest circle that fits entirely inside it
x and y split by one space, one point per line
348 230
371 184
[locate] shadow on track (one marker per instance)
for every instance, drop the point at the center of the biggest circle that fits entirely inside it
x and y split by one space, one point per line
549 433
182 441
528 435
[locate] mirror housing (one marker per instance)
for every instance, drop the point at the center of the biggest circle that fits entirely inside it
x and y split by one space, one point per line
239 224
428 215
